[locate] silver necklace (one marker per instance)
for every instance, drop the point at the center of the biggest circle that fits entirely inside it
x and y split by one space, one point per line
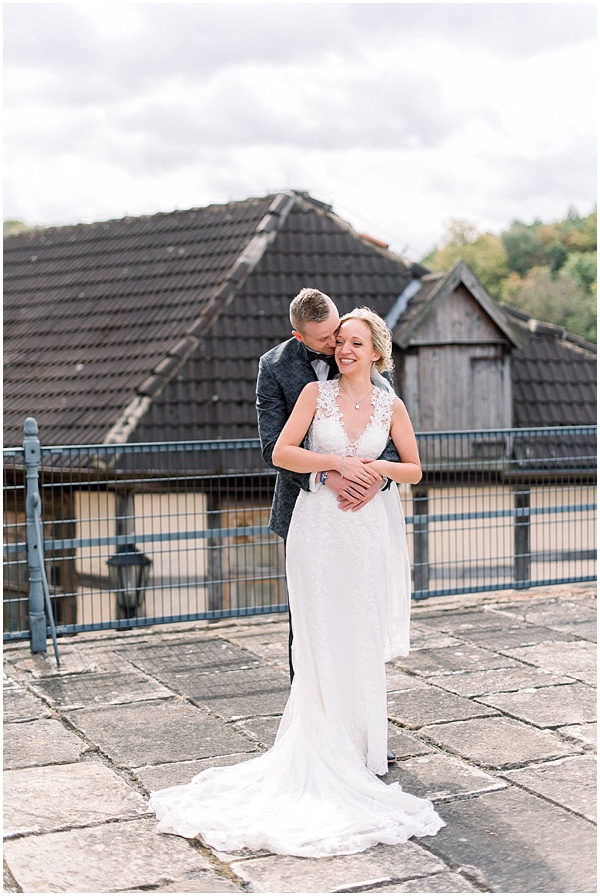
357 404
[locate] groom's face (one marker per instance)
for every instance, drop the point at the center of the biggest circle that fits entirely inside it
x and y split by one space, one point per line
320 337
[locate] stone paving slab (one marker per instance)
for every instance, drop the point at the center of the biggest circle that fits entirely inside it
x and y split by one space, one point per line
548 707
435 776
156 777
103 859
458 658
153 732
500 632
41 742
494 681
516 635
201 883
569 782
397 680
459 621
519 843
99 688
265 628
275 652
562 613
585 734
574 658
429 639
422 706
405 745
586 631
498 742
236 694
73 660
21 706
270 645
260 729
53 797
204 655
381 864
545 606
446 882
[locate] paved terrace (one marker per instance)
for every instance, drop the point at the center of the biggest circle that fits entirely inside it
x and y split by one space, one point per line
491 716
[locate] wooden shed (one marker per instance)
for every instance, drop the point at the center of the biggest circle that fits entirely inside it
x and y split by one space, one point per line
453 346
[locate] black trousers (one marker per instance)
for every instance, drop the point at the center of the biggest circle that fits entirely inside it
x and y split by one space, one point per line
291 634
291 637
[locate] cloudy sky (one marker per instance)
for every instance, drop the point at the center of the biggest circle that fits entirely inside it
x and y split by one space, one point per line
402 116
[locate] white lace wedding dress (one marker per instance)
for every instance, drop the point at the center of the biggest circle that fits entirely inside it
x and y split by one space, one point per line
316 791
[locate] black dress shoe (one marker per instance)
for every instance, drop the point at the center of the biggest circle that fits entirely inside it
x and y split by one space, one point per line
390 756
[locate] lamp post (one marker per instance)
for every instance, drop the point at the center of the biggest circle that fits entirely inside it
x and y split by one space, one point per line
129 572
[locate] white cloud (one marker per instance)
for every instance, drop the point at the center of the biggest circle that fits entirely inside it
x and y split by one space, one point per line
404 115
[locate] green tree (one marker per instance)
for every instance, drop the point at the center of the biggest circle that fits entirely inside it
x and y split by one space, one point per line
556 255
583 267
13 226
579 234
548 269
523 248
559 299
483 252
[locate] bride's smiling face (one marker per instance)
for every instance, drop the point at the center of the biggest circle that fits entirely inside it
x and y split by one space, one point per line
354 347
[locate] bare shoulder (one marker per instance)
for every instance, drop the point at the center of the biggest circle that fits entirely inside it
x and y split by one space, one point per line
399 409
311 390
309 396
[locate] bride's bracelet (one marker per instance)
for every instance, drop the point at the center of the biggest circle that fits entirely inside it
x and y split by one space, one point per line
343 466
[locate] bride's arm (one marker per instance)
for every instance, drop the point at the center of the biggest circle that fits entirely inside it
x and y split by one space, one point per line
288 454
403 437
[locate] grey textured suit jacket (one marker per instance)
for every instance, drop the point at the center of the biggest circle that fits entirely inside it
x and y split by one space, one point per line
283 372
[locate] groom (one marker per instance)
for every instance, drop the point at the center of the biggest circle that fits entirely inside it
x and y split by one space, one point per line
282 374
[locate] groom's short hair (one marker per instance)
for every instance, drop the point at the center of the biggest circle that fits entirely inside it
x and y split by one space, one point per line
310 306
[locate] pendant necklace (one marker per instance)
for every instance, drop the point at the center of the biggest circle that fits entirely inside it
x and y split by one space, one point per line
357 404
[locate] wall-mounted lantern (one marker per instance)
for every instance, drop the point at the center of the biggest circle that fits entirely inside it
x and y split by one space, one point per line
129 573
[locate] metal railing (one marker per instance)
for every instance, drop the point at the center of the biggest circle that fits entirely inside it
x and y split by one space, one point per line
144 534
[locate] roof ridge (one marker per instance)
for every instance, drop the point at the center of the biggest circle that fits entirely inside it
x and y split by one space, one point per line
37 229
166 369
373 242
545 328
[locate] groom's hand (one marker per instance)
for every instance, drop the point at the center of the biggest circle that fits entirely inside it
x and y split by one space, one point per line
352 495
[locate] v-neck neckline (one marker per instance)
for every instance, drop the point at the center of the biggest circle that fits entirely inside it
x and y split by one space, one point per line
353 445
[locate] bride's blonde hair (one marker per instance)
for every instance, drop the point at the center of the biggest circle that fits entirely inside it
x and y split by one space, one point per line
380 334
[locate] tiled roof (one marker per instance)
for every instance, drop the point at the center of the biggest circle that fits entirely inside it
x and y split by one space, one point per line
214 396
553 376
150 329
90 311
100 318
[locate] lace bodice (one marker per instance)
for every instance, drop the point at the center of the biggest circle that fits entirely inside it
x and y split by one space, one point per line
327 434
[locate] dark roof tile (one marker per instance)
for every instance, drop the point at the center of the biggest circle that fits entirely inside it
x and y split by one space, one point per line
554 377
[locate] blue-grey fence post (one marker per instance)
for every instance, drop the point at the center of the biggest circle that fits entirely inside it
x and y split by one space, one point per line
37 617
522 536
420 494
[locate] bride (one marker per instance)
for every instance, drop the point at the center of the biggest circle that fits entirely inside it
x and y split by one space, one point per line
316 792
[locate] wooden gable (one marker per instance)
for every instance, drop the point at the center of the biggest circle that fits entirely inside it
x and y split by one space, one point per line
454 366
